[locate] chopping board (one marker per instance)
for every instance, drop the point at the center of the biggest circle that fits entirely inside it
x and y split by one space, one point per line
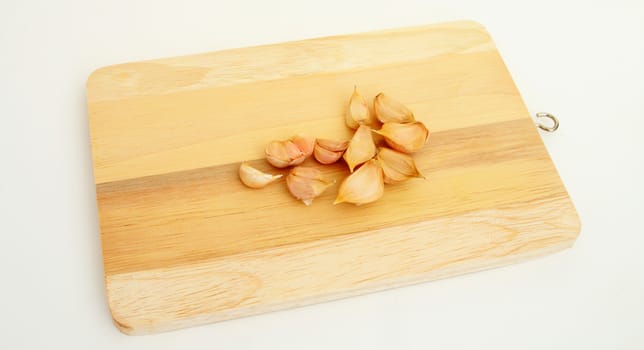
185 243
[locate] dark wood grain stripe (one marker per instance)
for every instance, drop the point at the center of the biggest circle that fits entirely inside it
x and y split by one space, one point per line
192 216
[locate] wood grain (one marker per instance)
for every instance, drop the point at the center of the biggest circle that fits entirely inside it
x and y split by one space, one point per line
185 243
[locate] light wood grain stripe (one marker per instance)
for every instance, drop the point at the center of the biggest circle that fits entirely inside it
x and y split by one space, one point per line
286 60
218 125
283 277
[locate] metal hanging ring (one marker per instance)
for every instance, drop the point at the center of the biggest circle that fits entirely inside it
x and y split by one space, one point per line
555 122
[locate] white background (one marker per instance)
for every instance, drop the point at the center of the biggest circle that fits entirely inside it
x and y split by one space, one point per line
582 62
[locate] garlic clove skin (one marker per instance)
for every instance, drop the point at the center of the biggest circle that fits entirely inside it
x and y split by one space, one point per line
361 147
254 178
364 186
406 138
396 166
329 151
304 144
306 183
389 110
358 112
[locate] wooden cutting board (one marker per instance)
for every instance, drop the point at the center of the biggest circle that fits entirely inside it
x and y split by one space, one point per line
185 243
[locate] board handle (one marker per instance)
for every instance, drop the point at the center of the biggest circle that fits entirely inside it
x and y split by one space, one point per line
555 122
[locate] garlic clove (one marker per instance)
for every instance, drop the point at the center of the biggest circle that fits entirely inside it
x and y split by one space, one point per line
329 151
304 144
296 154
389 110
361 147
254 178
365 185
282 154
332 145
396 166
358 112
324 156
407 138
306 183
277 154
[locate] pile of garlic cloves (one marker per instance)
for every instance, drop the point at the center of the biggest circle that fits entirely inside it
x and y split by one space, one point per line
370 166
